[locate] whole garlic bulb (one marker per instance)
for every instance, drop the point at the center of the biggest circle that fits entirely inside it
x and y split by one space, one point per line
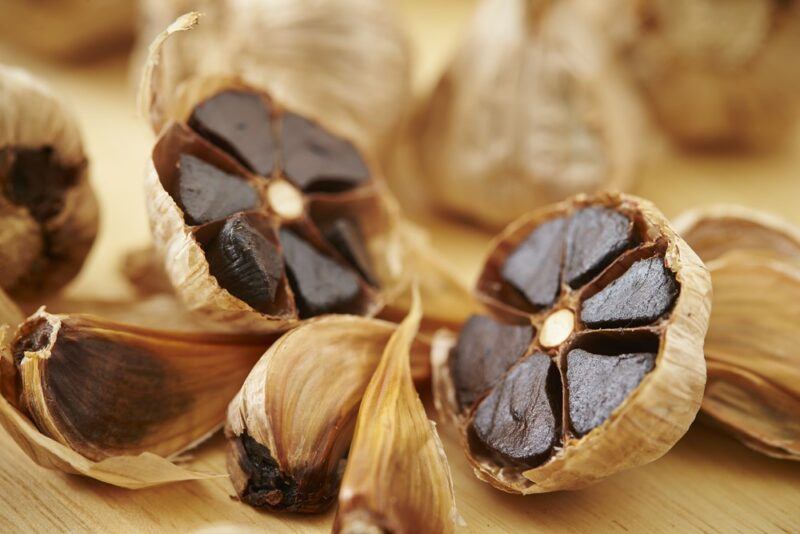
68 29
48 212
713 73
345 61
530 111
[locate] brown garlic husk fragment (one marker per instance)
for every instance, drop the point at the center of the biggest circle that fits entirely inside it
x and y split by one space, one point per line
289 427
532 109
719 75
592 361
48 212
397 477
290 220
115 402
753 387
71 30
344 61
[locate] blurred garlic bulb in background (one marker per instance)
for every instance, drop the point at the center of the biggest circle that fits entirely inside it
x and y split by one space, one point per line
714 73
68 29
342 60
531 110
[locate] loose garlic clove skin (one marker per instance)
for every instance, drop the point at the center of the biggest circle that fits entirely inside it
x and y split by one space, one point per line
397 477
69 30
71 409
532 109
344 61
394 247
714 75
753 368
49 219
652 416
290 426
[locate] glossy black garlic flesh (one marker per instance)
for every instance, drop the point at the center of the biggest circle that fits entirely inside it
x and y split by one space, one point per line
583 298
269 197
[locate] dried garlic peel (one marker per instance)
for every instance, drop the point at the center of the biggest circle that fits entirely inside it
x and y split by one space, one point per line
178 389
290 425
397 477
532 109
343 61
649 359
48 212
751 347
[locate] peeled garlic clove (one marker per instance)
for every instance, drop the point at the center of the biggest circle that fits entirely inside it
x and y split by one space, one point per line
531 110
116 402
290 426
397 477
69 29
343 61
600 313
47 208
706 84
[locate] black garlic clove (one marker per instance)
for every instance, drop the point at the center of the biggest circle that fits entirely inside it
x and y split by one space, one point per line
520 420
595 236
346 237
239 123
534 268
597 384
640 296
205 193
486 349
246 263
316 160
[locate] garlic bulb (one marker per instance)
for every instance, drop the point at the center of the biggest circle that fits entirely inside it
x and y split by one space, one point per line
753 388
531 110
69 29
344 61
713 73
48 212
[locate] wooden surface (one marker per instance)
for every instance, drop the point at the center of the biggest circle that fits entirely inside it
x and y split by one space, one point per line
707 483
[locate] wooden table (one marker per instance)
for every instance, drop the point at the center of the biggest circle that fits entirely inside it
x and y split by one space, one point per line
707 483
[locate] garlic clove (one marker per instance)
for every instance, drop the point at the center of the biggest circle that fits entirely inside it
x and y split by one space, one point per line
397 478
585 397
532 109
117 402
47 207
290 425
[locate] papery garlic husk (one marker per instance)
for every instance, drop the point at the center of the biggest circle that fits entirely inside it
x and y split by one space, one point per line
344 61
653 415
115 402
48 212
753 388
397 477
531 110
394 247
714 74
290 426
70 30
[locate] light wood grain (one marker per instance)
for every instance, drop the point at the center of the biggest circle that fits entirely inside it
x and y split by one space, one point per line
708 483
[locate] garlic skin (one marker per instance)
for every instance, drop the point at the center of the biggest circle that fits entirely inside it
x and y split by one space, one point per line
70 30
40 253
397 477
653 417
117 402
753 367
714 74
345 62
290 425
532 109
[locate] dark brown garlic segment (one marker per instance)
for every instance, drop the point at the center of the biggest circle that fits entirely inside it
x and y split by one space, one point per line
596 290
34 179
288 162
